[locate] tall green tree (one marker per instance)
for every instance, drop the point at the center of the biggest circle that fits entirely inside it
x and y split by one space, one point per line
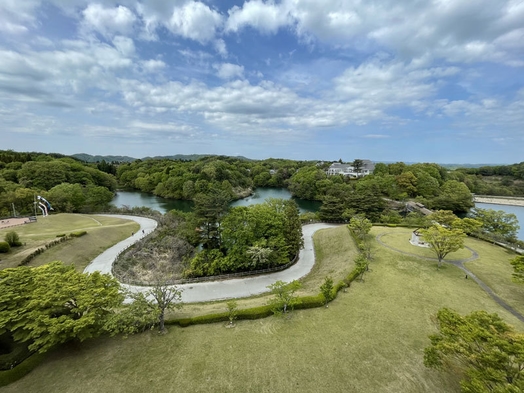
443 241
498 224
489 351
53 303
210 208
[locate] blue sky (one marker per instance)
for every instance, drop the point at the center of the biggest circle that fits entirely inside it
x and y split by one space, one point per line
387 80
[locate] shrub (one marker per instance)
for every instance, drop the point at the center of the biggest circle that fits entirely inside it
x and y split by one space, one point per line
61 235
78 234
4 247
12 239
20 371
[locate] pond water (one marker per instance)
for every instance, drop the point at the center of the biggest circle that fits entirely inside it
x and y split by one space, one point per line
516 210
163 205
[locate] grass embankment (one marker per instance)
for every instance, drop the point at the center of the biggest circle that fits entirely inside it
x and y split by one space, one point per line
102 233
370 339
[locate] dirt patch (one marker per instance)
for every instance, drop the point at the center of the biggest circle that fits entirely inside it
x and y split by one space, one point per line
13 222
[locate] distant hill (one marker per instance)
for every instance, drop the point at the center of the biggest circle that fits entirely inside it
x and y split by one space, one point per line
89 158
192 157
186 157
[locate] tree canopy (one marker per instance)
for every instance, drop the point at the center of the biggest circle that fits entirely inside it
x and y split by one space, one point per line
490 352
443 240
53 303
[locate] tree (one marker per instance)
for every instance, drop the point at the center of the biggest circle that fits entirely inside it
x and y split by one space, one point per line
443 217
160 298
53 303
360 226
489 350
209 209
12 239
259 255
497 223
232 311
284 296
518 268
454 196
467 225
443 240
357 165
361 266
327 290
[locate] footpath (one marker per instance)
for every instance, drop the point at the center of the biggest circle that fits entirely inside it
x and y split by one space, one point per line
214 290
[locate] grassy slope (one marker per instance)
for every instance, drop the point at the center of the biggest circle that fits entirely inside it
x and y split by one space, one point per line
102 233
370 339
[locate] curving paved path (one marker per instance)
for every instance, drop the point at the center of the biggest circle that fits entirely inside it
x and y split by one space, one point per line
214 290
460 264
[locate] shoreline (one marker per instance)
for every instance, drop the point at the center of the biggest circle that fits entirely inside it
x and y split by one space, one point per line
496 200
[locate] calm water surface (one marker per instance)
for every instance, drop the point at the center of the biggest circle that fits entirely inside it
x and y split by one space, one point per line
163 205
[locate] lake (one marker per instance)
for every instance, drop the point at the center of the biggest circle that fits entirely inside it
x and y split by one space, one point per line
163 205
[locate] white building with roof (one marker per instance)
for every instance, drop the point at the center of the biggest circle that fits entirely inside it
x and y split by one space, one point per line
349 170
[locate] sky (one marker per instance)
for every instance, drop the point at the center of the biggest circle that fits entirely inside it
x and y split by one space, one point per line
387 80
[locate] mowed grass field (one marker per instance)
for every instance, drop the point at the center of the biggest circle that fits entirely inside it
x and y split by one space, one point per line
102 233
370 339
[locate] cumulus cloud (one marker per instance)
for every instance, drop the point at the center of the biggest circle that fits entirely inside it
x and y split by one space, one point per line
265 17
195 21
109 20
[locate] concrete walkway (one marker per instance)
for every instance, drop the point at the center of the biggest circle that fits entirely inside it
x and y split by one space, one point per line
214 290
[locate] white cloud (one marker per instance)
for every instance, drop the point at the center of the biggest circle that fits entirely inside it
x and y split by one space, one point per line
229 71
153 65
195 21
220 47
124 45
109 21
265 17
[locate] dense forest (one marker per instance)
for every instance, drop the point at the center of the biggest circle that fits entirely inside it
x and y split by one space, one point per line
242 238
71 185
75 186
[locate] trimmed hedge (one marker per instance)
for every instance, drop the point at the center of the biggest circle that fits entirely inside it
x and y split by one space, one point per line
247 314
78 234
4 247
20 371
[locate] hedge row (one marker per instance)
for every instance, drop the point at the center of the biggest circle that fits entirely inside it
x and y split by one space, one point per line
78 234
20 371
38 251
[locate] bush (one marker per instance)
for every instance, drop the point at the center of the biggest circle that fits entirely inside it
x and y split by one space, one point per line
4 247
12 239
20 371
78 234
61 235
18 352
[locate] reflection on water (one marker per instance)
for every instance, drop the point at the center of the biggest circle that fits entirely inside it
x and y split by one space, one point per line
163 205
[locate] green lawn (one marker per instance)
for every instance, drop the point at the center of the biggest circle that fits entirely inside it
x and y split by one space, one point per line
102 233
399 239
494 269
370 339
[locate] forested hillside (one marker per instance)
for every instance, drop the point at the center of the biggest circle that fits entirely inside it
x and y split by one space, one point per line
68 184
